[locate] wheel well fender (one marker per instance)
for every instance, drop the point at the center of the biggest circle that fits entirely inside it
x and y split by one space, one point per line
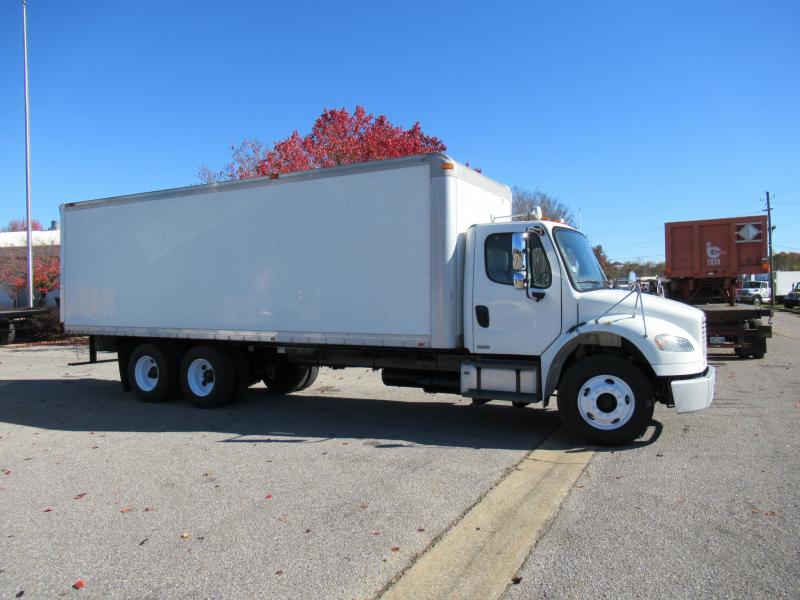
591 343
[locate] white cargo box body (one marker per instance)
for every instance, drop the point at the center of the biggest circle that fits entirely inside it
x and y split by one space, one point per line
367 254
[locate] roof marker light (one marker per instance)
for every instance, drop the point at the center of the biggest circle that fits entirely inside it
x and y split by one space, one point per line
446 166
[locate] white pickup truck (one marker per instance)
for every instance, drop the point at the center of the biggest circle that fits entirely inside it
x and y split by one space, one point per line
411 266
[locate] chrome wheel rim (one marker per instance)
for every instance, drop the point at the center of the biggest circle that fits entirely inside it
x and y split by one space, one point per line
146 374
606 402
200 377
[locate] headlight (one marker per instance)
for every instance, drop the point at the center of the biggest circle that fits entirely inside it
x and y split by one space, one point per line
673 343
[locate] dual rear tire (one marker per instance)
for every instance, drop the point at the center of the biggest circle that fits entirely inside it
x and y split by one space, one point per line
208 376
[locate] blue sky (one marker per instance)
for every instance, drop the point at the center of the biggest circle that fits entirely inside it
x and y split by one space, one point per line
636 112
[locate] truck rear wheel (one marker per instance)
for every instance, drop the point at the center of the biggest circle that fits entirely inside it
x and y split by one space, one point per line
208 377
605 400
153 373
7 332
291 378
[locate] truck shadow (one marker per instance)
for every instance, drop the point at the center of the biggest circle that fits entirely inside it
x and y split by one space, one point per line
261 417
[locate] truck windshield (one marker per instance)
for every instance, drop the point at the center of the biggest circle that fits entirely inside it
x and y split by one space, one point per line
584 271
752 284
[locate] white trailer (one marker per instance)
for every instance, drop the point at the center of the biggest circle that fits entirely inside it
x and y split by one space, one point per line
785 282
411 266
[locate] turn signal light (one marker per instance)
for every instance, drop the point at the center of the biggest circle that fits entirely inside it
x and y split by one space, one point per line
445 166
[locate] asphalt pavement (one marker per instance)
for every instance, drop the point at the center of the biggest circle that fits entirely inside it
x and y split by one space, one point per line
338 491
709 509
325 494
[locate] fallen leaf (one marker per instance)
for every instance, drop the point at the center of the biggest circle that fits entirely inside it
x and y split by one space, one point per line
279 572
363 505
80 496
420 529
307 531
20 594
395 548
375 532
659 455
268 496
95 447
148 509
49 509
79 585
680 500
125 510
6 471
771 513
186 535
755 509
143 541
516 580
283 518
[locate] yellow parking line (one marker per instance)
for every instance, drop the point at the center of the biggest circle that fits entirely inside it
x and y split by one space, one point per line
477 558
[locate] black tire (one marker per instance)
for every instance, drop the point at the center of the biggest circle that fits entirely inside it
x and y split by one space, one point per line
8 332
208 377
291 378
153 373
607 383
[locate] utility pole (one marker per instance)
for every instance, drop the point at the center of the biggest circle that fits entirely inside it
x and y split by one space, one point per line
27 155
771 269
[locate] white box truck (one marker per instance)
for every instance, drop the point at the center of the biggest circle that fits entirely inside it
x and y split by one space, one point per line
412 266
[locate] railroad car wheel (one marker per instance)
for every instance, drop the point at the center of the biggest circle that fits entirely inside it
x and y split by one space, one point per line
606 400
153 373
291 378
208 376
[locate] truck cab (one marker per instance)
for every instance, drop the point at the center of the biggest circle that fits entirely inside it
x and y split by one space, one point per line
754 292
792 299
540 317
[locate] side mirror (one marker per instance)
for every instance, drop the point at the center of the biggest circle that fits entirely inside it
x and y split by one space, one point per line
520 281
518 260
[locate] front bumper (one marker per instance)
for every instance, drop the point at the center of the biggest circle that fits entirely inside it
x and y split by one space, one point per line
694 394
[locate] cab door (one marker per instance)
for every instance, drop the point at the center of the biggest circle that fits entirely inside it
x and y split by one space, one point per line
506 319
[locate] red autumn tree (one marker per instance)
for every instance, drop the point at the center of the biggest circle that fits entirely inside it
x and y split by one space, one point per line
14 274
336 138
22 225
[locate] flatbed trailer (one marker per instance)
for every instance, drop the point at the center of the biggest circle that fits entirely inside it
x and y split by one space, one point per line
14 319
738 327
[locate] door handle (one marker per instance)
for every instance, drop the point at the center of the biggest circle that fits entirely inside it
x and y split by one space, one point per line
482 315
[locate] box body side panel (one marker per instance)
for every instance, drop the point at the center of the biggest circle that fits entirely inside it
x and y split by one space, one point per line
334 260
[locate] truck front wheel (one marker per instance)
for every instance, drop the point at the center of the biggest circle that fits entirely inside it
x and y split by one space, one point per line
291 378
208 376
153 373
605 400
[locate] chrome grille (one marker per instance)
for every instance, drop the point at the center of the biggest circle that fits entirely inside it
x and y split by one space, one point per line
704 338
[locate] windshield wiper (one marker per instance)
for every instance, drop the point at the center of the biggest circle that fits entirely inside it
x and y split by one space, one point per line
591 281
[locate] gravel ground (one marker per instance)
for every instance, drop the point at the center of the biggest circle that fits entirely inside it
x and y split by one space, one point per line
324 494
709 510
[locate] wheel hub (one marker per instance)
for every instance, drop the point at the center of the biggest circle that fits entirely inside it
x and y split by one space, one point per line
200 377
606 402
146 374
